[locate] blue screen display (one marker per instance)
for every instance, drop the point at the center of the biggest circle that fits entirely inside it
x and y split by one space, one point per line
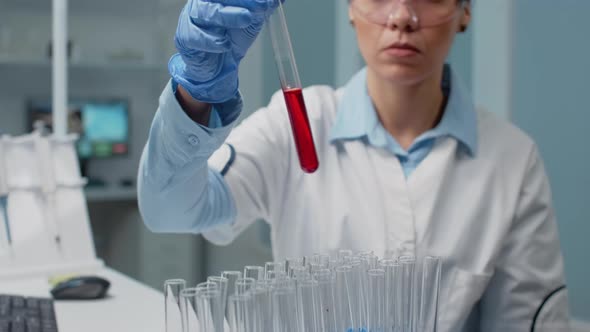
105 122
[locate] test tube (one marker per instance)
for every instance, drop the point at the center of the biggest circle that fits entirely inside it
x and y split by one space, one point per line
274 270
284 306
274 266
275 275
290 263
313 267
408 264
326 285
398 286
343 254
209 310
173 316
393 292
376 302
359 285
344 298
207 285
291 86
300 273
254 272
310 315
431 275
323 260
239 313
261 296
231 277
188 307
221 283
244 285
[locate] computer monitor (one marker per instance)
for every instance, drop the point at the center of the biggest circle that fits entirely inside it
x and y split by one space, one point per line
102 125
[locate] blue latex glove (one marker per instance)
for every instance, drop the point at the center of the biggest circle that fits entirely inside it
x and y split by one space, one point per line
212 38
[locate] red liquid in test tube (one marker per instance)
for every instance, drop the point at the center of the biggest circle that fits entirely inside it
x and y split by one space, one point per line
291 86
308 158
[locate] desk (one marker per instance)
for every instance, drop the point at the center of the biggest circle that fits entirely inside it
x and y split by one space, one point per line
130 306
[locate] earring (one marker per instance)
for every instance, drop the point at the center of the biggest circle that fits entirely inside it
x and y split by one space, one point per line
463 28
351 21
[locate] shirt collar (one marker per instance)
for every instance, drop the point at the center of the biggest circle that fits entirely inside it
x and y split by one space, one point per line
357 119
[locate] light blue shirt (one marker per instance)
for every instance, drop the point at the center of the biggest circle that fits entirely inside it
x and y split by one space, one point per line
173 167
357 119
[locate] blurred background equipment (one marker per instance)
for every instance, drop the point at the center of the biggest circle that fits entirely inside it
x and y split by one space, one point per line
102 127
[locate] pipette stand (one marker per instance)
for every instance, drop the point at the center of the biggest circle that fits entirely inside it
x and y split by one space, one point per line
47 212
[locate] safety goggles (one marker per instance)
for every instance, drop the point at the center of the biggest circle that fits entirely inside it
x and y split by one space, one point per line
422 13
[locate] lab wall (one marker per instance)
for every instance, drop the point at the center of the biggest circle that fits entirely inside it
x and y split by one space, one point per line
550 101
461 57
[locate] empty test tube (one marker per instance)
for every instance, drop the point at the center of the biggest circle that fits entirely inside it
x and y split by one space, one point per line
291 263
359 286
392 294
345 296
408 265
431 275
231 277
261 298
322 259
376 301
209 310
310 315
274 266
300 273
275 275
343 254
326 288
350 295
284 306
240 317
244 285
254 272
172 314
188 307
221 283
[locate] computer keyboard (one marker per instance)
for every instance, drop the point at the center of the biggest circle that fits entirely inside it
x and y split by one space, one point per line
26 314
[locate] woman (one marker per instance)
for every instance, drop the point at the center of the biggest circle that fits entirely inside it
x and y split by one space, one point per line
407 165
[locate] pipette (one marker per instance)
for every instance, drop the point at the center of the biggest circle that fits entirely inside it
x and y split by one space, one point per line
291 86
48 187
6 240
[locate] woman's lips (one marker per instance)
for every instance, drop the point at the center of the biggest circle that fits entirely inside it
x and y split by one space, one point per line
402 50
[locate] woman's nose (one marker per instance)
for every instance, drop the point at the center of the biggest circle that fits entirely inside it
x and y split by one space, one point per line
403 17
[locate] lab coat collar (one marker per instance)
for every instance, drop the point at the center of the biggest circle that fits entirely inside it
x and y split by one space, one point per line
357 119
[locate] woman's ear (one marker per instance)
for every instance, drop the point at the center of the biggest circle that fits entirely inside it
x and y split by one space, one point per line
465 17
350 16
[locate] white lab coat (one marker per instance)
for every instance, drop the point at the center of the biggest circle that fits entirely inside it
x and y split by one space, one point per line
490 217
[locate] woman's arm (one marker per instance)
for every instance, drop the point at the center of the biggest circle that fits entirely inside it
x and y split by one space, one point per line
177 191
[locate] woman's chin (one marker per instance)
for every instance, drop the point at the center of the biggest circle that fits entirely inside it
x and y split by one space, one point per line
401 74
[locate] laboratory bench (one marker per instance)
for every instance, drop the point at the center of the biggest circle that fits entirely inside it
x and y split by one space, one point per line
129 305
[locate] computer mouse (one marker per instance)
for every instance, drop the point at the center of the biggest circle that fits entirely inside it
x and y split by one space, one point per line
81 288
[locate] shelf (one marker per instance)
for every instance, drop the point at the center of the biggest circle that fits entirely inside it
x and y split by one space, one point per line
111 7
87 65
110 193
